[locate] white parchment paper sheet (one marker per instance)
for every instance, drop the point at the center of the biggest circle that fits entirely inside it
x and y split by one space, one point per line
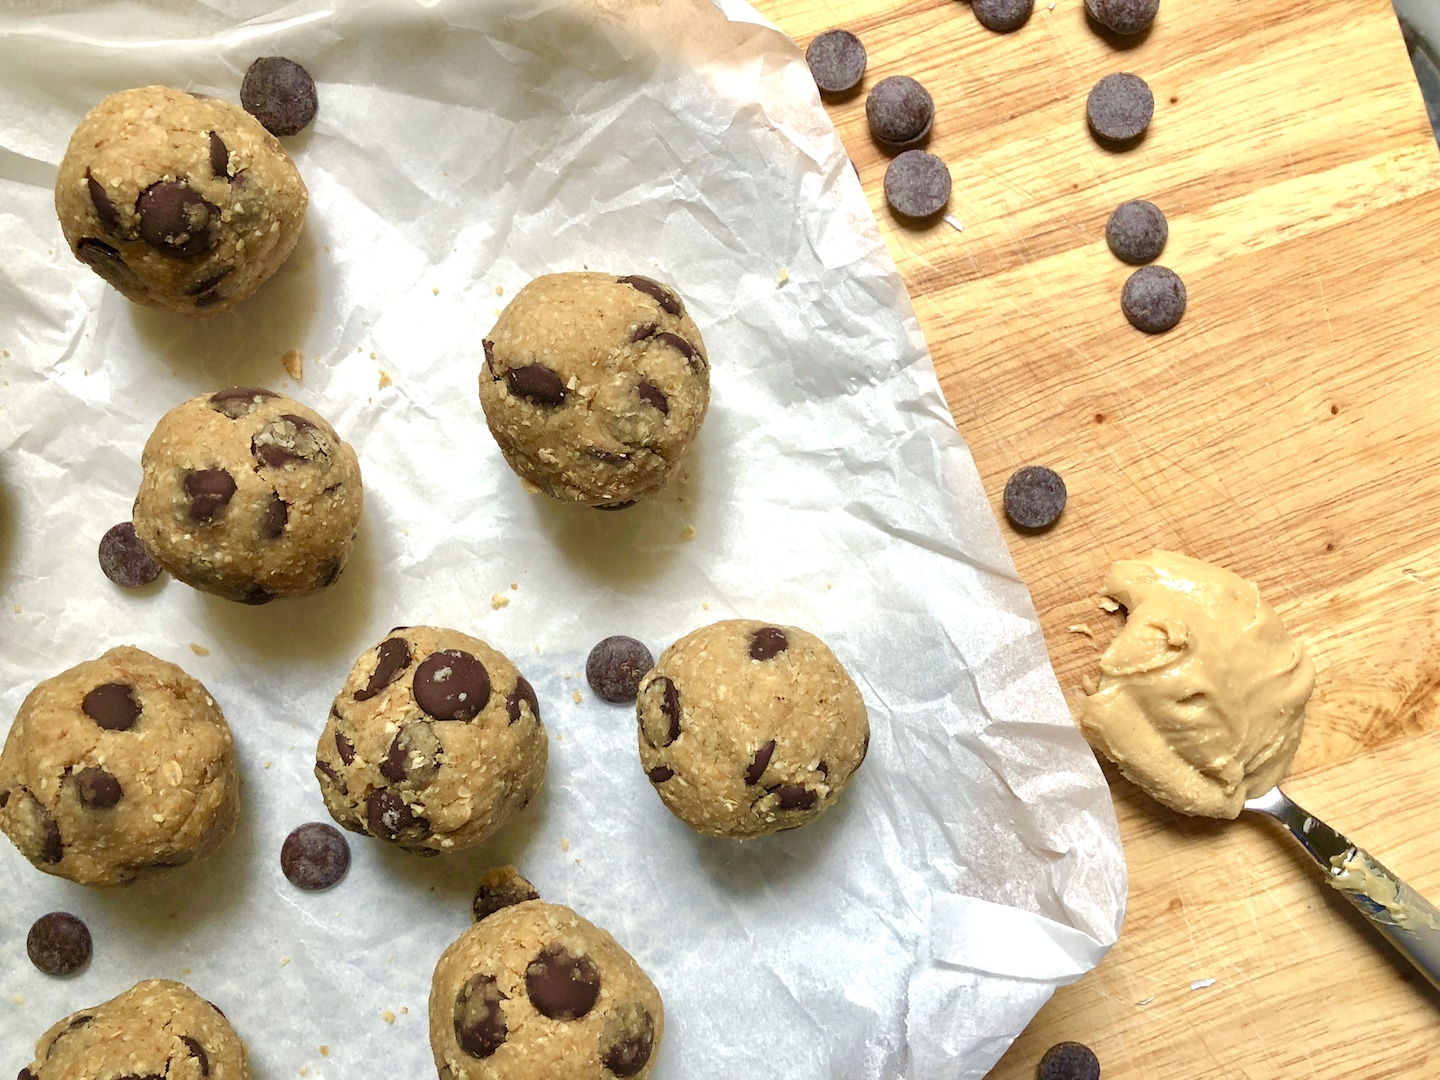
461 149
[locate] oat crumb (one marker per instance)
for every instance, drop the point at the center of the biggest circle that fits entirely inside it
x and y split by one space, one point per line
687 533
267 764
1109 604
388 1016
564 843
829 585
1082 628
499 291
7 354
498 601
385 379
324 1050
782 277
17 607
705 604
19 999
199 650
184 971
284 960
294 363
372 353
434 292
1089 685
514 586
576 695
404 1010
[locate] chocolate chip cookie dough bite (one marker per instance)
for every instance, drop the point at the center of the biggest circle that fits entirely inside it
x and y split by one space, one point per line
746 728
117 769
433 743
595 385
180 202
249 495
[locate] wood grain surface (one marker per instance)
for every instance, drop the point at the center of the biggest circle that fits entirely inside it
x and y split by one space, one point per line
1288 429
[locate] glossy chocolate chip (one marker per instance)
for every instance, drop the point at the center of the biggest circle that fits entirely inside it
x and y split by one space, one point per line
660 712
344 747
900 112
653 396
112 706
393 657
631 1045
643 331
615 667
768 642
198 1053
794 797
257 595
1034 497
836 60
413 756
917 185
1002 16
667 300
562 986
124 560
390 816
1123 16
58 943
660 773
480 1026
1069 1061
537 384
334 775
104 208
238 401
523 692
219 157
175 218
288 438
1153 299
1136 231
210 491
106 261
208 283
680 345
500 889
451 685
1119 108
97 789
759 763
280 94
314 856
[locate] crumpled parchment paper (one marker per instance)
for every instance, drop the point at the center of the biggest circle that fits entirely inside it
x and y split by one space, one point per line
461 149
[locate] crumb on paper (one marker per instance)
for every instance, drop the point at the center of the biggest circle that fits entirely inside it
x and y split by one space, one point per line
294 363
17 607
324 1050
19 999
499 290
782 277
267 764
1201 984
199 650
372 353
385 379
705 604
687 533
404 1010
498 601
514 586
388 1016
1145 1001
564 843
304 1070
953 222
184 971
284 960
1081 628
576 695
434 291
7 354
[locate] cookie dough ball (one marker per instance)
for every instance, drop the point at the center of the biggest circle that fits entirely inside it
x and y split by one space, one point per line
157 1028
249 495
181 202
748 728
434 742
595 385
116 769
534 991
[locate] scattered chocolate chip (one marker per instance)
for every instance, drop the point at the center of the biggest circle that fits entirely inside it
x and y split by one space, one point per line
667 300
315 856
198 1053
390 816
660 773
112 706
562 986
451 685
615 667
653 395
175 218
219 158
617 506
104 208
1123 16
900 112
1137 231
683 347
238 401
96 788
414 755
631 1046
288 438
210 491
280 94
1119 108
106 261
917 185
837 61
640 333
334 775
480 1026
500 888
794 797
344 747
58 943
257 595
392 657
537 384
1034 497
1069 1061
660 712
1002 16
760 762
210 282
523 692
1153 299
768 642
124 560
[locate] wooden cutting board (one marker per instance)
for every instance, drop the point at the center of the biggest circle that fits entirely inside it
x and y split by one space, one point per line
1288 429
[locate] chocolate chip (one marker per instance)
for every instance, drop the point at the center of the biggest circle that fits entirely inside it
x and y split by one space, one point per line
1137 231
175 218
1069 1061
452 685
645 330
52 846
205 285
238 401
1002 16
210 491
4 798
58 943
823 768
280 94
537 384
96 788
617 506
104 208
653 395
499 889
615 667
628 1040
1123 16
480 1026
124 560
562 986
345 748
112 706
489 347
917 185
523 692
667 300
334 775
1034 497
660 712
390 816
759 763
607 456
1119 108
683 347
198 1053
314 856
288 438
836 60
1153 299
900 112
393 657
794 797
257 595
413 756
767 642
106 261
659 774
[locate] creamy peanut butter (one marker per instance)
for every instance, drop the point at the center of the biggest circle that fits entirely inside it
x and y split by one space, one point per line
1202 694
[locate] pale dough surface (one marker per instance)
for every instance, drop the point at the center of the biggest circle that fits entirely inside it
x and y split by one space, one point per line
250 219
107 805
1201 696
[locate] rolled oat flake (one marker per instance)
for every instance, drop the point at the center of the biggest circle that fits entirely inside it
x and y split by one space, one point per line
1137 231
1153 299
900 112
837 61
1123 16
1034 497
917 184
1002 16
1120 107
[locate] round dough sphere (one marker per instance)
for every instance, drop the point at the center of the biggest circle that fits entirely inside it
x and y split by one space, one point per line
249 495
748 728
595 385
536 991
181 202
116 769
157 1028
434 742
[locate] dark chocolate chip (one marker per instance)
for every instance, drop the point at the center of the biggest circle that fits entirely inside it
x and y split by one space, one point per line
480 1026
390 816
1034 497
215 1007
210 282
332 572
667 300
1153 299
334 775
175 218
768 642
124 560
917 185
643 331
198 1053
1123 16
58 943
1069 1061
900 112
344 747
4 798
96 788
618 506
1119 108
489 354
794 797
451 685
413 756
523 692
210 491
631 1041
288 438
257 595
653 395
500 889
238 401
315 856
25 1074
392 657
52 846
683 347
760 762
106 261
822 768
104 208
607 456
615 667
537 384
659 709
112 706
280 94
1002 16
560 985
1137 231
660 773
836 60
219 158
274 518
